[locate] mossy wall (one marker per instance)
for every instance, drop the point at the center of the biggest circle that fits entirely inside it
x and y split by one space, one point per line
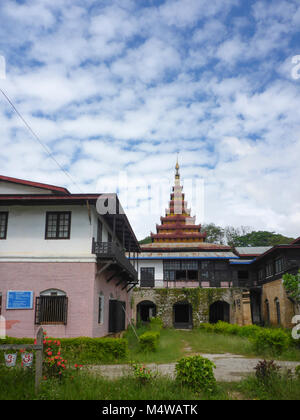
200 300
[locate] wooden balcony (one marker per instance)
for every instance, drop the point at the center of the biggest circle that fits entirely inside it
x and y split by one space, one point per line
111 252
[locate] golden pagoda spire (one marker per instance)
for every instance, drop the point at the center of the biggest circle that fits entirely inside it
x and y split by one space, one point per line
177 175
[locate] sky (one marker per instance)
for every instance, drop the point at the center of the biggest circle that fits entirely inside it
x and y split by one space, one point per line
116 89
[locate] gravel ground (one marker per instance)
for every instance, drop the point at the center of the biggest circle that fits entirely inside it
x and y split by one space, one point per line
229 367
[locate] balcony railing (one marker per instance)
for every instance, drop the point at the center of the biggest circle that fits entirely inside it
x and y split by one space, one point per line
111 251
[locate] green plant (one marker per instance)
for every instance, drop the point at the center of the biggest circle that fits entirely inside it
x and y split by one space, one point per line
271 341
226 328
297 372
197 373
141 373
266 370
156 324
149 341
292 286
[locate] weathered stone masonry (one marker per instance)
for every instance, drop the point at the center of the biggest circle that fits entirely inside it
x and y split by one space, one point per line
200 300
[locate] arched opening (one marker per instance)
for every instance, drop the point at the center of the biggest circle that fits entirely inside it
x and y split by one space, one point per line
51 307
183 315
145 311
219 311
278 314
267 307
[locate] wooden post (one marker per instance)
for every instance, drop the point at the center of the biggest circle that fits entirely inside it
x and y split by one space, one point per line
39 360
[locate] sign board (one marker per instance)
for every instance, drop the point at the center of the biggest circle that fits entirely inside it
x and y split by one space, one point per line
19 299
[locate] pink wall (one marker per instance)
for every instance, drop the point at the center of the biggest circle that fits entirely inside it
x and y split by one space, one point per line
77 280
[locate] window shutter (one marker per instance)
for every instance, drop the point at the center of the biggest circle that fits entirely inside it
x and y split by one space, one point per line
37 310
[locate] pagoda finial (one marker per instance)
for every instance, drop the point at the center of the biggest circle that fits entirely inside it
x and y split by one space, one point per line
177 175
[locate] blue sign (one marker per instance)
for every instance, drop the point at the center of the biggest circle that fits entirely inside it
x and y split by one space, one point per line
19 299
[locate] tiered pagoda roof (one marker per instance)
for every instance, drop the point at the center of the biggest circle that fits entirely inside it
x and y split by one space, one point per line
177 226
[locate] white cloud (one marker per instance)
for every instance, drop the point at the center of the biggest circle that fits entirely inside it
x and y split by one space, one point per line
113 87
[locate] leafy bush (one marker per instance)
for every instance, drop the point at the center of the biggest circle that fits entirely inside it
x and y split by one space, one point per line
149 341
225 328
156 324
141 373
266 371
297 372
210 328
197 373
249 331
87 349
274 341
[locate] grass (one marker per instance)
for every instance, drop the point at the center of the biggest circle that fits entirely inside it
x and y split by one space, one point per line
282 388
175 344
18 384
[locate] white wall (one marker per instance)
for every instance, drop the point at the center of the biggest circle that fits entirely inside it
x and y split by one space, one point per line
10 188
26 233
159 270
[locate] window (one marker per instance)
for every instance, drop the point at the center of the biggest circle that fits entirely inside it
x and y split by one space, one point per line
279 265
277 305
147 277
189 265
269 270
261 274
51 307
3 224
267 311
101 309
58 225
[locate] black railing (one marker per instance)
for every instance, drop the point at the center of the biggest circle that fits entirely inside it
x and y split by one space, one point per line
111 251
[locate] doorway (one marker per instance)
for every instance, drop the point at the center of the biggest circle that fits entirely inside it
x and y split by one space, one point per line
219 311
145 311
183 315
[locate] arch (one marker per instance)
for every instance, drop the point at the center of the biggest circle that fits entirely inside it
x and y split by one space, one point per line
219 311
278 314
183 315
53 292
145 310
267 308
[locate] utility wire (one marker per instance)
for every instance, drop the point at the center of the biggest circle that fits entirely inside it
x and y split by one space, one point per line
39 140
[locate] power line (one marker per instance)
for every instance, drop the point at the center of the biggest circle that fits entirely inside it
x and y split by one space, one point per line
39 140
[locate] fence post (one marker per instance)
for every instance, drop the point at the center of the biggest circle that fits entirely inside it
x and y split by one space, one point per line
39 360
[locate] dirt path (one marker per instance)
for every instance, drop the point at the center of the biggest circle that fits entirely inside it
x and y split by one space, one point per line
229 367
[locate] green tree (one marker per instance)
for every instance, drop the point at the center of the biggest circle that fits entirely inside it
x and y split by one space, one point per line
215 234
260 238
292 286
146 240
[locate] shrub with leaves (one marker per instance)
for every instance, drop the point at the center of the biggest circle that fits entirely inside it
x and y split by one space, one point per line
141 373
297 372
149 341
197 373
156 324
271 341
266 370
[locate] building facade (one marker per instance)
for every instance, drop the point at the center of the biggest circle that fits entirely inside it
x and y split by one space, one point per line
62 264
186 280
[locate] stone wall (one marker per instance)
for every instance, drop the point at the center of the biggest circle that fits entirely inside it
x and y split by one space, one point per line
200 300
274 290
